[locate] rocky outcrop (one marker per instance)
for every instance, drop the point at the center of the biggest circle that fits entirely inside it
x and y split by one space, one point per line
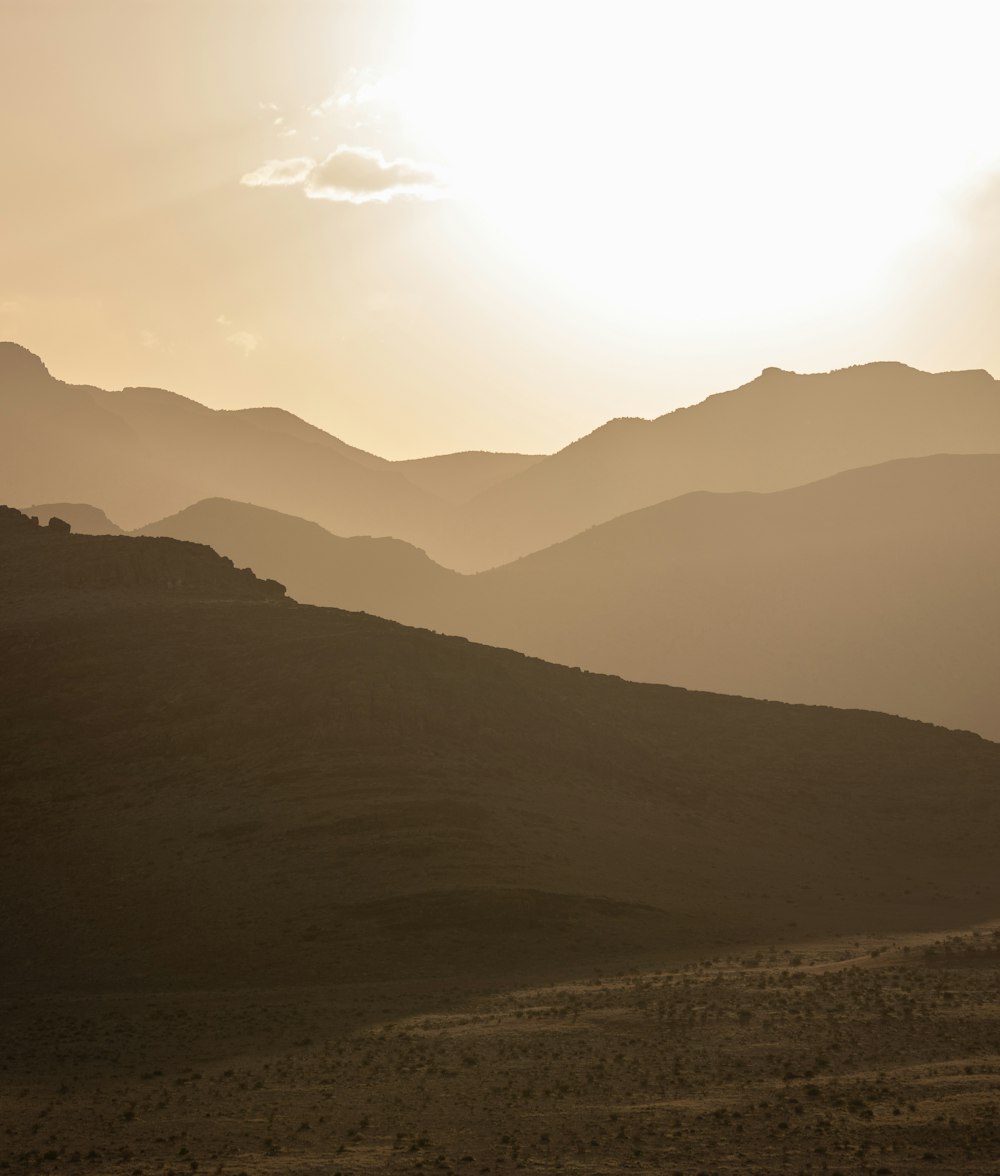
37 559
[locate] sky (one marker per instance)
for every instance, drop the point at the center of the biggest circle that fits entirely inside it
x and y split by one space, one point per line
433 226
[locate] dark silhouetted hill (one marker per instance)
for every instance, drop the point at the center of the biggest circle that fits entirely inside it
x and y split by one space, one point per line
202 790
875 588
39 559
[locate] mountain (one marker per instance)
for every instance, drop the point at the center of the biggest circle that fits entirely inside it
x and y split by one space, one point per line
82 518
780 430
382 576
459 477
142 454
205 784
875 588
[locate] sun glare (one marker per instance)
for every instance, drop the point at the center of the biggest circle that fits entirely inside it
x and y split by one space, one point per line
687 162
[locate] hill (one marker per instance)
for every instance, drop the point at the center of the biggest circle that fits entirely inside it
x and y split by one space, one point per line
874 588
459 477
386 577
82 518
208 786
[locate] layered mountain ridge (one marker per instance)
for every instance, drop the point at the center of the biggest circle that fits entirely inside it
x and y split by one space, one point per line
142 454
873 588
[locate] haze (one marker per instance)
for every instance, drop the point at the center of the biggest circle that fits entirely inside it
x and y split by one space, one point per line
443 226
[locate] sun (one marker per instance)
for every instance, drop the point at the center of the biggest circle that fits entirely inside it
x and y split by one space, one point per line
678 163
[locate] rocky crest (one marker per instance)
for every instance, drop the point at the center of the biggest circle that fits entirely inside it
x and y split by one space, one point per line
38 559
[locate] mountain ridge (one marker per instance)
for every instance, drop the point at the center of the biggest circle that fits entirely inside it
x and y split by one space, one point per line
474 511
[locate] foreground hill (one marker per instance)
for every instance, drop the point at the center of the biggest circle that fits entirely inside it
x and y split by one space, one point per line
204 784
875 588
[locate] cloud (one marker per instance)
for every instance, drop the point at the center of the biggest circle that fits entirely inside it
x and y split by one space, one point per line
280 173
352 175
360 175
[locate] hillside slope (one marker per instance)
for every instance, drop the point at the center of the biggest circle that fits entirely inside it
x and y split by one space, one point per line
246 791
386 577
780 430
874 588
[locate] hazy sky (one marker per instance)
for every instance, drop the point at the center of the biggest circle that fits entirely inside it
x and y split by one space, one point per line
436 226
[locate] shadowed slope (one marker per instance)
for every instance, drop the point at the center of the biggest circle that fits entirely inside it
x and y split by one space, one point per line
242 793
874 588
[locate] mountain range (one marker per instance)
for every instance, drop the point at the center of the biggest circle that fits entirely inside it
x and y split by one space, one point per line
140 454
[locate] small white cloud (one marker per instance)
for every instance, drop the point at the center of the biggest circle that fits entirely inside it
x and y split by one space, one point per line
353 175
280 173
359 175
148 339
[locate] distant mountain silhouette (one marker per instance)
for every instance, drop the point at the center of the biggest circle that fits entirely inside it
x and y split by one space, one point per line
382 576
83 518
208 788
779 430
459 477
875 588
141 454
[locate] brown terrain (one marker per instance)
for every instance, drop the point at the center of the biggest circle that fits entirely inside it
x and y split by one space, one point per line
297 890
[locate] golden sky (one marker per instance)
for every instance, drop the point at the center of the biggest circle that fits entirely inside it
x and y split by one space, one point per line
433 226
